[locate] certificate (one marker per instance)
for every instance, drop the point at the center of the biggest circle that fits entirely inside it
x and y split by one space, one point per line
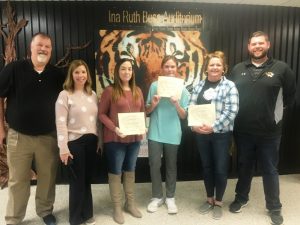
169 86
201 114
132 123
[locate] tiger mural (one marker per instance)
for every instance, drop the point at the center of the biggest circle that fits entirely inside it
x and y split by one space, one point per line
146 50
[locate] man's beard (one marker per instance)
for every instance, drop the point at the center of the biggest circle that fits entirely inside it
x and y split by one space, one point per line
261 56
42 58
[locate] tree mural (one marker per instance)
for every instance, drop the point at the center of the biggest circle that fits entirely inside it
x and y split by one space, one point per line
8 31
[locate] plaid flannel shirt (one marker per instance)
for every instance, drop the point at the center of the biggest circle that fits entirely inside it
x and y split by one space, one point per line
226 101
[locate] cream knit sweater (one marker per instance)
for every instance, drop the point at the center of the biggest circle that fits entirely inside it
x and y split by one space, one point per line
76 115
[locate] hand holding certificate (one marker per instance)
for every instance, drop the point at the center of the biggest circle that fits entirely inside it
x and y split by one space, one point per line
201 114
132 123
168 86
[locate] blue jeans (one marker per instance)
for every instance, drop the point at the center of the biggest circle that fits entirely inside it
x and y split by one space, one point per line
265 150
121 156
214 154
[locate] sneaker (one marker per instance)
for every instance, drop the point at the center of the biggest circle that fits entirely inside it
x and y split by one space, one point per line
171 205
205 207
154 204
276 217
217 212
49 219
236 206
90 221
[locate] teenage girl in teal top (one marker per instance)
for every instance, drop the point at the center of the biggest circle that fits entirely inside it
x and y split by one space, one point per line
164 137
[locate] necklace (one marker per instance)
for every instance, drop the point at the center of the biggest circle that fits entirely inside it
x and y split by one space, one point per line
128 105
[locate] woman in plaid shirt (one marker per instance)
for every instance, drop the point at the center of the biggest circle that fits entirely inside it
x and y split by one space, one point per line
213 140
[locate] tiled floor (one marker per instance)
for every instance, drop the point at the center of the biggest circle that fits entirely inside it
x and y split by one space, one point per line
189 196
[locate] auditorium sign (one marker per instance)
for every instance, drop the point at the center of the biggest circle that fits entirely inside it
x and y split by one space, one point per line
175 18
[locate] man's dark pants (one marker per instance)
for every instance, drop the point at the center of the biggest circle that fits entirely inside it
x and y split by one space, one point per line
264 150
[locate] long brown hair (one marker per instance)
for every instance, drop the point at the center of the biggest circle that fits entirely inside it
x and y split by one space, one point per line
117 85
69 82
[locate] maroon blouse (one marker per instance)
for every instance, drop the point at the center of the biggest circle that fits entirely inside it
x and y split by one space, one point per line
108 114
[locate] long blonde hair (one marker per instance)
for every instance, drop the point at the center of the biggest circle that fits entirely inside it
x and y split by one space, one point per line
117 85
69 82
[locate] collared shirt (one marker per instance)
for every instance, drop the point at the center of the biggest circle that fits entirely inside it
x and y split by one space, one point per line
226 100
257 71
262 99
31 96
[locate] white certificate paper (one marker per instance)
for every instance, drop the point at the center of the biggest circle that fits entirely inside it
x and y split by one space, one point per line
201 114
169 86
132 123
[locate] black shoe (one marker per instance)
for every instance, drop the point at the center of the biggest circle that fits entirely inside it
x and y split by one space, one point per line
236 206
276 217
49 219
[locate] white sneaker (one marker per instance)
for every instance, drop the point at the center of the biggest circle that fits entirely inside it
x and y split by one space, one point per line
172 208
154 204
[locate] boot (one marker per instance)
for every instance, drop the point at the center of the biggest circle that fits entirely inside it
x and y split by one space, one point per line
128 184
116 197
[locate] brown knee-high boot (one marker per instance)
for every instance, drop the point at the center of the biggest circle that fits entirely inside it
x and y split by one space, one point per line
116 196
128 184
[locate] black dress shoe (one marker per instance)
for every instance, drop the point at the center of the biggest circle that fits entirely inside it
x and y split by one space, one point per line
49 219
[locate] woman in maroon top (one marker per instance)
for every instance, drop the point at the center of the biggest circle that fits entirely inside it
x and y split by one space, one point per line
121 151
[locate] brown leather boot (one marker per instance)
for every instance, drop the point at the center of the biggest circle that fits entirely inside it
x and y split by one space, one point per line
128 184
116 197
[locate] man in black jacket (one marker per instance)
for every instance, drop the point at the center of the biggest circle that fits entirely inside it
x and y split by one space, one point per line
265 87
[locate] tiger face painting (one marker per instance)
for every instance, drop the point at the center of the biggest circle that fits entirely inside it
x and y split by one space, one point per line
146 50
